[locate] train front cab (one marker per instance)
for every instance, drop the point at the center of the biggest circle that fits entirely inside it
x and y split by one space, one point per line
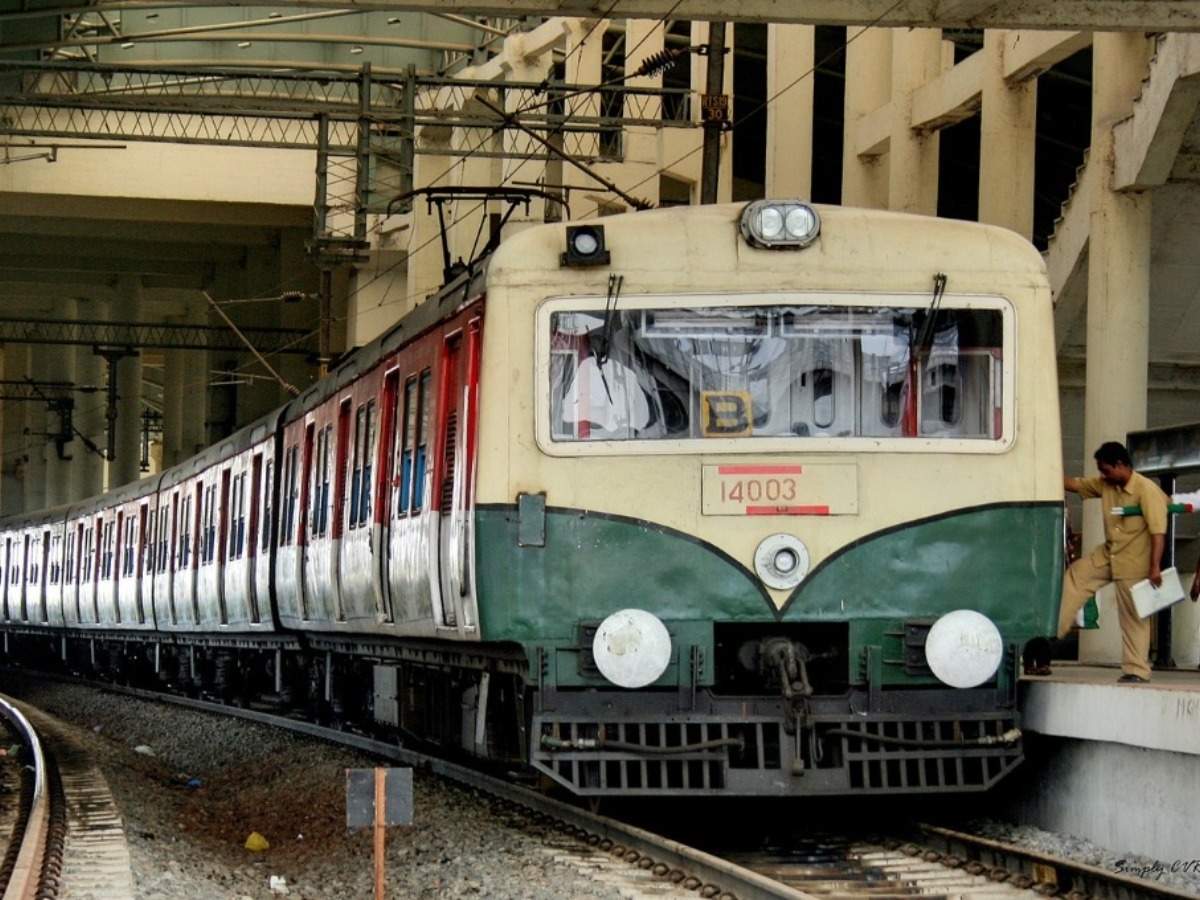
797 461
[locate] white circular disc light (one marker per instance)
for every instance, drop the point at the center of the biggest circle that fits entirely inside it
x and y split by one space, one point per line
800 222
781 561
770 222
964 648
586 243
632 648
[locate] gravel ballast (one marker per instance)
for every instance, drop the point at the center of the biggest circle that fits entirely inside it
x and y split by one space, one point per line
187 842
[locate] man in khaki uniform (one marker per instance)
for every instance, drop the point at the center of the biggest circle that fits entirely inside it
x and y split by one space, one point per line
1132 550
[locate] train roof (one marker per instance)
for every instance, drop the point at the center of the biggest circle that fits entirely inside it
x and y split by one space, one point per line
437 306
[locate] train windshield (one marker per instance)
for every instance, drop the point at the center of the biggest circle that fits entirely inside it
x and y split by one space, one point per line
775 371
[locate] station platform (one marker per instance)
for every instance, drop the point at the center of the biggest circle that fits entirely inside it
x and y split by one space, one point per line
1086 702
1113 763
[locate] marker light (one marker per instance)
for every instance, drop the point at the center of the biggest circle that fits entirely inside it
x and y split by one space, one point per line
964 648
632 648
775 224
781 561
585 246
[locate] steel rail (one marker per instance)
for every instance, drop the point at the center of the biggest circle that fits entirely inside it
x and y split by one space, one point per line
713 876
24 880
1068 876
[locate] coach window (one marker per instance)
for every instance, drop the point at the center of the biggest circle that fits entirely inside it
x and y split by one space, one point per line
745 372
356 473
406 447
185 532
424 403
266 505
321 475
129 547
368 457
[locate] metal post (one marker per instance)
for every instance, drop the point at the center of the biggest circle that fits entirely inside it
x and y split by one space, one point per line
362 181
715 108
380 828
278 671
325 326
320 208
408 140
1162 644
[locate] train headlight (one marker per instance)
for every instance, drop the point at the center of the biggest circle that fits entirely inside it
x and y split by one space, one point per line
964 648
774 224
781 561
585 247
632 648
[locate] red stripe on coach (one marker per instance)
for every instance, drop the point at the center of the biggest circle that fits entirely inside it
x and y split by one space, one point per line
760 470
787 510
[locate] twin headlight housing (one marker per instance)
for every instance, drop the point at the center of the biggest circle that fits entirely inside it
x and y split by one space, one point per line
774 224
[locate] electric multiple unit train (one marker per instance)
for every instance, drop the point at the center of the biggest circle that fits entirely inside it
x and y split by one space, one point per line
729 499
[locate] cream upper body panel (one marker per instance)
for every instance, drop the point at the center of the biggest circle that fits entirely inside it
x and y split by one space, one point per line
699 251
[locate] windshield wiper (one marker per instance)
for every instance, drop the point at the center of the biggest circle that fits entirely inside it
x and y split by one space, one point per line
610 310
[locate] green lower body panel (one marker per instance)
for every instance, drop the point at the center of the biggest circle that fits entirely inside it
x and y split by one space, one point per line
542 583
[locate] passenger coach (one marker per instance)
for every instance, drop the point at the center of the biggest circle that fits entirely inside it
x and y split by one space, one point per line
725 499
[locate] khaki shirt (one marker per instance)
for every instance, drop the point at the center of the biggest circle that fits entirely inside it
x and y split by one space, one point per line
1127 538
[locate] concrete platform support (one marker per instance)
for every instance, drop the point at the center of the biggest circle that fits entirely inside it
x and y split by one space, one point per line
1112 763
174 377
12 487
1008 121
1118 304
86 473
58 363
913 164
790 52
193 425
36 420
123 469
868 88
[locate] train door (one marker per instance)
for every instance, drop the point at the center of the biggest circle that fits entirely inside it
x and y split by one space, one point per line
23 580
341 471
222 539
386 490
453 414
139 564
44 577
75 569
170 560
307 522
251 543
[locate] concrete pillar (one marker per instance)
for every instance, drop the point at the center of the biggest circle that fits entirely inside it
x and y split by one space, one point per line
913 155
1118 304
36 420
790 55
514 168
12 487
1007 130
123 469
86 473
868 87
644 38
584 48
193 427
59 365
174 380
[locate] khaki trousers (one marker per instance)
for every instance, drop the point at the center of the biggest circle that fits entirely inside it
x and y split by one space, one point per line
1081 581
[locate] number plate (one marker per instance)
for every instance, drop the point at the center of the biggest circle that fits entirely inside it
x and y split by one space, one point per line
780 490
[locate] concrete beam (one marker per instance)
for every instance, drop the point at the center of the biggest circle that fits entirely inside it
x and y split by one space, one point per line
874 132
11 263
1095 15
1028 54
951 97
1147 142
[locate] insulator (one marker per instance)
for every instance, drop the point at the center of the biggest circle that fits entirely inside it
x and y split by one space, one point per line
657 62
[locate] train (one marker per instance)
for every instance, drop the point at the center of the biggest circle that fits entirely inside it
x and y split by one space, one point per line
740 499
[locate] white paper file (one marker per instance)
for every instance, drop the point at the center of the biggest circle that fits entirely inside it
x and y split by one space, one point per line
1149 599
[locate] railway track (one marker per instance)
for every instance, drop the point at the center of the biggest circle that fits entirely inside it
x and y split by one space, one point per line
65 838
930 861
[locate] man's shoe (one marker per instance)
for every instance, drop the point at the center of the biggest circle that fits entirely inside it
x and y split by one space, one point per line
1132 679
